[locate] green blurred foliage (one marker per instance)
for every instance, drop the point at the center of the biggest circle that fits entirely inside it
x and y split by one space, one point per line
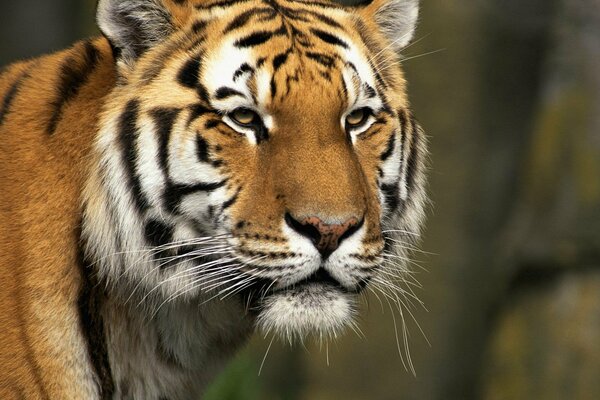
238 382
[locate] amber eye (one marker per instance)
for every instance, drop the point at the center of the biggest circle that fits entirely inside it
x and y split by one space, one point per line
358 117
243 116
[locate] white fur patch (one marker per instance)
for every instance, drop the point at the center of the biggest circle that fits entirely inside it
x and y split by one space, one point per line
397 20
314 309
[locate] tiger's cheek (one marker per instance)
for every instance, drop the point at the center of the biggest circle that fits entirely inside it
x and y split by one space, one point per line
369 151
256 203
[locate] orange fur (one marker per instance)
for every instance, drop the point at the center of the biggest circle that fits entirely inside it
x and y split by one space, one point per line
46 161
40 179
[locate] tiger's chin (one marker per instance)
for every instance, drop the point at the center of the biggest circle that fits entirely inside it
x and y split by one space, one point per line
321 310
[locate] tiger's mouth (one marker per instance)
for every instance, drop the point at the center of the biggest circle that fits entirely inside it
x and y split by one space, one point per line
317 305
320 277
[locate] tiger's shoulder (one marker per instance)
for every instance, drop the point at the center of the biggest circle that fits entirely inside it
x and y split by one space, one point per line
49 109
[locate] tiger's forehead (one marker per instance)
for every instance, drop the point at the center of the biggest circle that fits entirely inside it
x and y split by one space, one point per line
259 46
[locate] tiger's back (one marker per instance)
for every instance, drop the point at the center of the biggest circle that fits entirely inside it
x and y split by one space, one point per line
48 120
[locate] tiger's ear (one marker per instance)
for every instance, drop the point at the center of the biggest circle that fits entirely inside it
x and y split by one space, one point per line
396 19
133 26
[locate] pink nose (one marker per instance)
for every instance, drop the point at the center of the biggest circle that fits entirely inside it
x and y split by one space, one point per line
326 237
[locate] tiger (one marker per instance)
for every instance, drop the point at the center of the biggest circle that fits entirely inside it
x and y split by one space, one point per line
200 171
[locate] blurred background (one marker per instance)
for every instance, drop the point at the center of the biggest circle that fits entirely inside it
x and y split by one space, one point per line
509 94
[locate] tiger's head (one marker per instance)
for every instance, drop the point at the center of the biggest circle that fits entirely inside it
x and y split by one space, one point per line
260 150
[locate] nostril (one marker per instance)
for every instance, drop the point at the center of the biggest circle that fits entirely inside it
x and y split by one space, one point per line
351 229
307 230
326 237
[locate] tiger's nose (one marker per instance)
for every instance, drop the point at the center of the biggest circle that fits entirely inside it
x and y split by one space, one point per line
326 237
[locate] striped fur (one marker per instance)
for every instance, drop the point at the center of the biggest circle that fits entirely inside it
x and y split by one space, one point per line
145 232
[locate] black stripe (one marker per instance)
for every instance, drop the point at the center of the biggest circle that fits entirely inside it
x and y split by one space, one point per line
92 295
273 87
203 93
369 91
225 92
197 110
231 201
164 118
196 42
254 39
351 65
288 82
391 193
258 38
188 75
260 62
159 234
280 59
176 192
294 15
261 133
318 3
323 59
266 17
73 76
127 139
413 157
325 19
241 20
185 190
329 38
223 3
244 68
402 119
212 123
11 95
202 149
390 147
199 26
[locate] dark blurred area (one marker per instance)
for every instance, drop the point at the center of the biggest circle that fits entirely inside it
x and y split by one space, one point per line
509 94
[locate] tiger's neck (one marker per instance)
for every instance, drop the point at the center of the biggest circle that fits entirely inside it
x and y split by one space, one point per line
146 343
171 350
172 353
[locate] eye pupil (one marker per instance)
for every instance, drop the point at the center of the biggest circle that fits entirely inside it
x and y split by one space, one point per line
243 116
357 117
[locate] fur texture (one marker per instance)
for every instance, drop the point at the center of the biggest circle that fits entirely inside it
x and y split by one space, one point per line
205 169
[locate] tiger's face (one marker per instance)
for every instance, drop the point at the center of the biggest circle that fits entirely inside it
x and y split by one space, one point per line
261 149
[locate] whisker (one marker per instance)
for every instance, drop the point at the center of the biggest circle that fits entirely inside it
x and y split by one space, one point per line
266 354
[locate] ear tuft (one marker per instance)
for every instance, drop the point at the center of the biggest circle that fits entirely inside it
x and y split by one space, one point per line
397 20
133 26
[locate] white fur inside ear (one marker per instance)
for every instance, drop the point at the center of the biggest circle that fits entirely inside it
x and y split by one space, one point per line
133 26
397 20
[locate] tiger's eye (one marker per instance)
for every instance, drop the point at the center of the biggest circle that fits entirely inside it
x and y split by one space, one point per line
357 117
243 116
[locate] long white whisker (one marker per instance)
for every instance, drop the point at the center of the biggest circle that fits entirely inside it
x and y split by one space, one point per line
266 354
